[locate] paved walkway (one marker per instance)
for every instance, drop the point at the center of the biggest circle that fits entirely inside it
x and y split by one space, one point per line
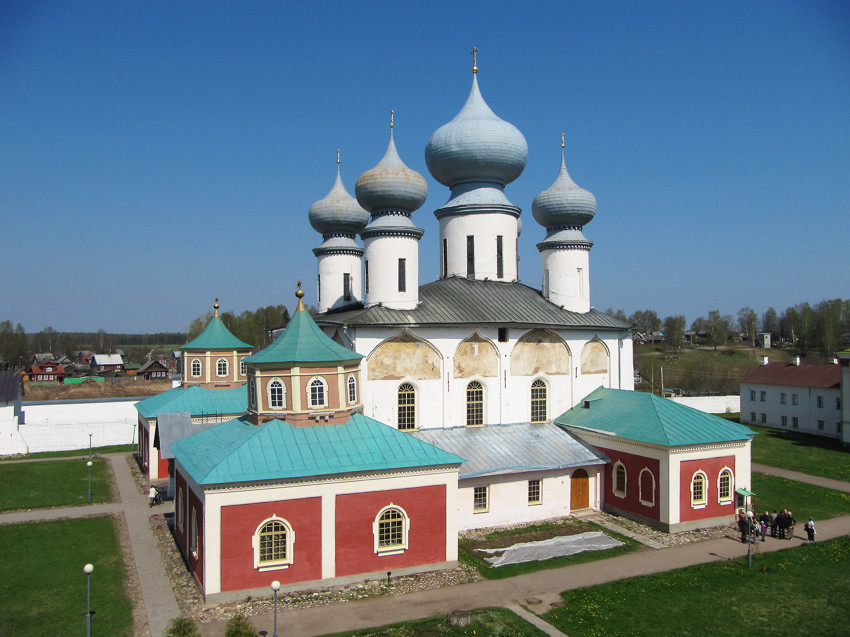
803 477
160 603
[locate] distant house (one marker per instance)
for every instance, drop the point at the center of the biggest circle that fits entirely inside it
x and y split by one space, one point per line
794 396
107 362
152 369
47 373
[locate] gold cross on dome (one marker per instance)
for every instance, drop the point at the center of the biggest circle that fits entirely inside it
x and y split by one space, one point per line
392 113
337 156
474 59
562 139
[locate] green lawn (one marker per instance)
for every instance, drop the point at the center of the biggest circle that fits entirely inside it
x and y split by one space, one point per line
801 591
508 537
805 453
40 485
74 452
43 586
484 622
802 499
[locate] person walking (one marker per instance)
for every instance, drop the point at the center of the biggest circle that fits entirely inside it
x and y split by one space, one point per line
152 495
791 524
809 528
773 517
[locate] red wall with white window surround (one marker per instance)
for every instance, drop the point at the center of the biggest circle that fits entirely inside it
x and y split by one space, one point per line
634 464
355 542
712 468
180 533
195 565
239 524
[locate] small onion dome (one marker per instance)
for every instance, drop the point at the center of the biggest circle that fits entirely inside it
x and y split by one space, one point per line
391 185
338 212
476 146
564 203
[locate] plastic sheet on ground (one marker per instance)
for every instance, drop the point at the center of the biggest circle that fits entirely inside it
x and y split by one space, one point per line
547 549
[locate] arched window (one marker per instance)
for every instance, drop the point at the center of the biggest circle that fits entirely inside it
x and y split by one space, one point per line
273 542
725 483
243 367
252 391
318 393
646 487
277 395
352 390
221 367
406 407
390 530
539 409
620 479
196 368
699 497
474 404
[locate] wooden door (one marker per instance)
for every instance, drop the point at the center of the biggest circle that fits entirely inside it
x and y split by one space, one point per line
579 490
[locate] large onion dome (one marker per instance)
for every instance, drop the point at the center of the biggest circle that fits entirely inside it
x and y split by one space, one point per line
564 203
391 185
338 212
476 146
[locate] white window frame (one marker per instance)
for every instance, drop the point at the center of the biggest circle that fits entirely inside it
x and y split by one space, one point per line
273 565
649 502
412 392
193 534
391 549
614 473
243 367
351 389
252 391
272 406
220 364
537 383
469 404
701 503
195 362
324 396
731 496
475 499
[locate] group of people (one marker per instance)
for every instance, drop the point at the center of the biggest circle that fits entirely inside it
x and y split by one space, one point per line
780 523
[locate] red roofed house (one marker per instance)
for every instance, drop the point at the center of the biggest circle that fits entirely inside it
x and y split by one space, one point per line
793 396
47 373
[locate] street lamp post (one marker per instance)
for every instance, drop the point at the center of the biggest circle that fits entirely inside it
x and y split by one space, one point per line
90 435
88 464
87 569
275 588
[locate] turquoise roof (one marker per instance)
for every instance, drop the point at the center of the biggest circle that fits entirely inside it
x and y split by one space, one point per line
647 418
238 451
216 336
304 342
196 400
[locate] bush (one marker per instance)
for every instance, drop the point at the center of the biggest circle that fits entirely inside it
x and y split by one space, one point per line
182 627
240 626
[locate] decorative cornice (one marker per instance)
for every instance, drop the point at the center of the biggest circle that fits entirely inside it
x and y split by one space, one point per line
565 245
474 209
354 251
413 233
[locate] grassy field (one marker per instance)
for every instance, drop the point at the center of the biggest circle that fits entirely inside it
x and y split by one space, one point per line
802 499
793 592
43 586
483 621
806 453
122 388
40 485
73 453
536 532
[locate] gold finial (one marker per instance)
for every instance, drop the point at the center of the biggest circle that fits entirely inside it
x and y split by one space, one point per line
337 163
562 139
215 307
392 114
299 294
474 59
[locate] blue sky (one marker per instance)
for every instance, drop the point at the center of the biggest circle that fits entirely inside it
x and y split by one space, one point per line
157 155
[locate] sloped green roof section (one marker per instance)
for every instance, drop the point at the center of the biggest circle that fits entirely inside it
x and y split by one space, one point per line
196 400
304 342
216 336
238 451
647 418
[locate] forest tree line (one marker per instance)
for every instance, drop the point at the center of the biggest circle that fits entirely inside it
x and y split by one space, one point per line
823 327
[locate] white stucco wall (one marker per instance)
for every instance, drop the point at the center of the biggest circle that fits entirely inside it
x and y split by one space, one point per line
769 412
566 278
485 227
711 404
382 253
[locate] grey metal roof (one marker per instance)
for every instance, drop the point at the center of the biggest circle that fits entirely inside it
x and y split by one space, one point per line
518 448
461 301
10 388
174 426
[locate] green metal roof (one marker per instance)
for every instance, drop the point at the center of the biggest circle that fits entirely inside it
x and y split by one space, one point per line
303 342
647 418
196 400
238 451
216 336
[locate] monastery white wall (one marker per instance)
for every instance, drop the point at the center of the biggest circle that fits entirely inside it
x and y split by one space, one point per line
566 278
382 253
66 425
485 227
711 404
330 288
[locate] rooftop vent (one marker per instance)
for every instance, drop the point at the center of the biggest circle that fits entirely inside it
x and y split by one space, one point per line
587 404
